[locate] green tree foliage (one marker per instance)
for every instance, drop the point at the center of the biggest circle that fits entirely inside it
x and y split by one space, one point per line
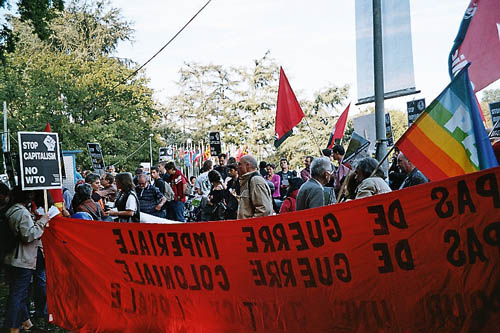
38 13
241 104
79 93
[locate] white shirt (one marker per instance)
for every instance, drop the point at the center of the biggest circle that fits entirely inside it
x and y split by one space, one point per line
131 204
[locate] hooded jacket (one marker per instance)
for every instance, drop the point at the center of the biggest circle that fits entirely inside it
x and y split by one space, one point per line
28 232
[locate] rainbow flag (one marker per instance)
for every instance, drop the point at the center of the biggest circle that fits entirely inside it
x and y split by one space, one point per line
449 139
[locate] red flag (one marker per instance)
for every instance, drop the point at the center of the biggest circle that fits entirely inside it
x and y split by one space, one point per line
56 194
478 43
288 111
339 128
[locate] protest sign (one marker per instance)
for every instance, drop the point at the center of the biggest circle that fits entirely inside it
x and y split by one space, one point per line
388 130
414 109
423 259
356 149
39 159
96 156
162 154
215 145
495 119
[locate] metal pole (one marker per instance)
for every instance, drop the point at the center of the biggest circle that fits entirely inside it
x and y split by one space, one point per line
378 65
150 151
5 135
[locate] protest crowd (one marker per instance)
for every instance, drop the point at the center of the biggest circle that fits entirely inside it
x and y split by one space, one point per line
229 190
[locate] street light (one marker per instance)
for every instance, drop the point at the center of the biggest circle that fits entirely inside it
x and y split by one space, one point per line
150 151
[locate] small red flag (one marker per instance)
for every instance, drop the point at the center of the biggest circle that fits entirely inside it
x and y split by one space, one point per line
339 128
288 111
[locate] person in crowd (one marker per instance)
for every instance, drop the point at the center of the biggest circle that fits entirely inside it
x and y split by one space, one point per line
262 168
138 171
216 198
328 153
78 173
369 185
413 175
127 206
163 172
341 170
86 204
202 187
231 160
67 198
273 178
109 190
22 260
151 200
156 179
233 190
95 181
396 174
311 194
289 204
111 169
350 187
222 168
202 184
190 187
164 188
85 173
255 199
305 173
285 174
178 183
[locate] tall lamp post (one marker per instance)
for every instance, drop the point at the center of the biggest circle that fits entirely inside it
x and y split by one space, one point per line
150 151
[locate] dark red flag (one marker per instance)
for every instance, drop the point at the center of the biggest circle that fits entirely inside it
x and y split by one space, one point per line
339 128
288 111
478 43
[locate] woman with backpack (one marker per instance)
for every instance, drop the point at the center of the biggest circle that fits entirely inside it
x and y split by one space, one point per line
22 259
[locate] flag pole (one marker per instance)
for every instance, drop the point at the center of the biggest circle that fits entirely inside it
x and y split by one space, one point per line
382 160
314 137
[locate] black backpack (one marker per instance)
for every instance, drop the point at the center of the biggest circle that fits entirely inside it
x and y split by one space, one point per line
8 239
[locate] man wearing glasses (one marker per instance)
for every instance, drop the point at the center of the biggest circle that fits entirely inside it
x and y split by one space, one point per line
311 193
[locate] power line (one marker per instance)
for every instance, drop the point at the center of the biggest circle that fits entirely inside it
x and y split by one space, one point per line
96 99
163 47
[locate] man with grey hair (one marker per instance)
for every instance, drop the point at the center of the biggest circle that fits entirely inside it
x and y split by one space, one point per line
151 200
311 192
255 197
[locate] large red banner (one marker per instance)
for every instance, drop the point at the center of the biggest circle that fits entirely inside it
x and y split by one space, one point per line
420 259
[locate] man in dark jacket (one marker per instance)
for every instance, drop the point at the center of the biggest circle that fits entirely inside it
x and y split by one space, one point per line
413 175
151 200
